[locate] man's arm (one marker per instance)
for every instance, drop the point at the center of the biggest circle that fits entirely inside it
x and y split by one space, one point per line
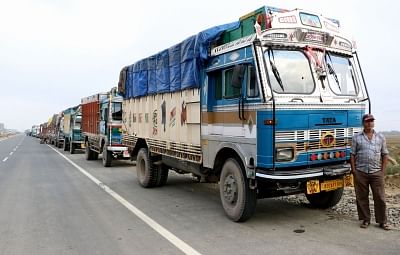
353 154
352 163
385 155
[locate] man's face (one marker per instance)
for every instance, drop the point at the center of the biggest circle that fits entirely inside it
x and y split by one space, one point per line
369 124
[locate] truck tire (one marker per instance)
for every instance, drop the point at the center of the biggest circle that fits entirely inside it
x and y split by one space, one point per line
162 177
71 148
65 145
238 200
325 199
89 154
107 157
147 172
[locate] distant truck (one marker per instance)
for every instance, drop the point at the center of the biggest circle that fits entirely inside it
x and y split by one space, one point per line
43 134
266 106
51 129
101 127
72 129
35 131
59 130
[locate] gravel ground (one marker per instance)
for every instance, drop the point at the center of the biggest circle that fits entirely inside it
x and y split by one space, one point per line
347 205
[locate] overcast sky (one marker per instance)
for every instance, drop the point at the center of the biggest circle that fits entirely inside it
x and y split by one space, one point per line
54 52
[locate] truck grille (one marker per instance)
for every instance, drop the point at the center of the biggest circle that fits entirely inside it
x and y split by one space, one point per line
306 140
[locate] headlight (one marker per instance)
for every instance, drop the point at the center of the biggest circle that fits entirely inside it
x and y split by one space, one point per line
284 154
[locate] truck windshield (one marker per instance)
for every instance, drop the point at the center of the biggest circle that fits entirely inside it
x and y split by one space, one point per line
294 71
117 111
77 124
341 76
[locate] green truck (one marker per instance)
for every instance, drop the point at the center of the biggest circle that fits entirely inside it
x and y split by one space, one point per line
72 129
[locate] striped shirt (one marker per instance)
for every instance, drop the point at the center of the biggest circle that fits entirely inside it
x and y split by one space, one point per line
368 153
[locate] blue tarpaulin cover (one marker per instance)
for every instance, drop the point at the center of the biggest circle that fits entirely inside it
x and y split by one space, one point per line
173 69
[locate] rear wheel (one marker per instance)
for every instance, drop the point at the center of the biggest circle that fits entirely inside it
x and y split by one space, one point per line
324 200
162 177
89 154
238 200
107 157
65 145
147 172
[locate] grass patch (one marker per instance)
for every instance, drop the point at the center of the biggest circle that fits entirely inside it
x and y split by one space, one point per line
393 144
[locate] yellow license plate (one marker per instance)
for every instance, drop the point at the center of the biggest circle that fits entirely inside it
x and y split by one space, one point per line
348 180
331 185
314 186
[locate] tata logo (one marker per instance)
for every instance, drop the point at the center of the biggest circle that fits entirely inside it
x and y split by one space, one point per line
327 139
330 120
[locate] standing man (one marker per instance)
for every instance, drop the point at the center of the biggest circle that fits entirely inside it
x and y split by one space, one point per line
369 156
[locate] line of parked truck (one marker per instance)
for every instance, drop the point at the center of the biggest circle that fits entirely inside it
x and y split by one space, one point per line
62 130
266 106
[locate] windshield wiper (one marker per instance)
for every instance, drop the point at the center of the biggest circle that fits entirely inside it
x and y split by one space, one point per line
275 70
332 72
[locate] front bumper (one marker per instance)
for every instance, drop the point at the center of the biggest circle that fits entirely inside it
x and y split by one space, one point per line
117 148
327 171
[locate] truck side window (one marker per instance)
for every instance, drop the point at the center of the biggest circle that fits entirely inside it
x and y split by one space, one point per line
252 86
229 90
215 82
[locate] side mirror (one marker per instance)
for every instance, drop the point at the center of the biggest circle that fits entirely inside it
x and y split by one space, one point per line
238 76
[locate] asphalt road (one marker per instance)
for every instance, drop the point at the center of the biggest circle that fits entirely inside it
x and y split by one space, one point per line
50 205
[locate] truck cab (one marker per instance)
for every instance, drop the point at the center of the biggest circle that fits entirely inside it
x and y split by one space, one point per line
286 101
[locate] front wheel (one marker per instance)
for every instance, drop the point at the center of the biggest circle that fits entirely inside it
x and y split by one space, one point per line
107 157
324 200
238 200
71 148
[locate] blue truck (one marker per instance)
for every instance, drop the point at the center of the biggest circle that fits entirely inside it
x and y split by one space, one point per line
266 106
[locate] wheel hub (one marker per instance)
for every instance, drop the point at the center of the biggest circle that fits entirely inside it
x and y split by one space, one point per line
230 189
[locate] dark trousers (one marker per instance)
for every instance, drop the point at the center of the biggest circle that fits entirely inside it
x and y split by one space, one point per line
377 183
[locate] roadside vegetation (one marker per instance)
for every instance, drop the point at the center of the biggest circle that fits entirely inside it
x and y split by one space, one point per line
393 143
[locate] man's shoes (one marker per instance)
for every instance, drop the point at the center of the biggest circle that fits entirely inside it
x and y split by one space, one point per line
364 224
384 226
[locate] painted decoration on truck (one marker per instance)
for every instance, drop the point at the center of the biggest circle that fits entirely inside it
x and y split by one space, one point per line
183 114
163 114
172 117
154 119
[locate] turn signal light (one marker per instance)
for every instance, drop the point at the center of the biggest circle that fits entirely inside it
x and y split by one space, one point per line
328 155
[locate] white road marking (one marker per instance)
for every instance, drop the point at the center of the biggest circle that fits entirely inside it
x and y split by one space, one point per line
15 149
181 245
11 153
5 159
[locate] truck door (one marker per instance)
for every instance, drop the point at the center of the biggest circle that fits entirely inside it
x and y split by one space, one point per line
223 104
103 118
